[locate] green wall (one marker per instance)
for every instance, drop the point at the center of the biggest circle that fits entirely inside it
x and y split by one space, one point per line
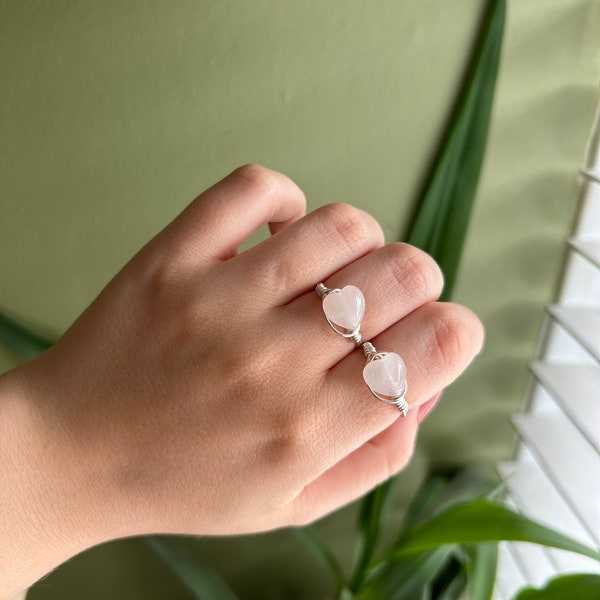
115 115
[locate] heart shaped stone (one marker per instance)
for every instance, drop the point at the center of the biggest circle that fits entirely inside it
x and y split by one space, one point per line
386 375
344 309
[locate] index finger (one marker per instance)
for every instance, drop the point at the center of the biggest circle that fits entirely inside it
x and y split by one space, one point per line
221 218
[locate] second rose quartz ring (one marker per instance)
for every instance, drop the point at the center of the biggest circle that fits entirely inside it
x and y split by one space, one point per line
385 372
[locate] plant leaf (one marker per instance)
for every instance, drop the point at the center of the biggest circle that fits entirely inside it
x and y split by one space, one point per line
453 569
426 593
370 522
201 580
481 570
320 550
440 492
346 594
406 577
440 223
483 520
22 341
566 587
455 589
426 499
443 210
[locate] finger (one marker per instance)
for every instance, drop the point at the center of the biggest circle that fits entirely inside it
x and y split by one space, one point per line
220 219
277 226
437 342
292 262
366 467
395 280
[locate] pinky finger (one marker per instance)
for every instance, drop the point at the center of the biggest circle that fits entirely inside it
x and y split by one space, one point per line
366 467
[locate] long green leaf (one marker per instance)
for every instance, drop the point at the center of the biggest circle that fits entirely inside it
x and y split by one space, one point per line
440 223
25 343
425 501
440 492
567 587
455 567
483 520
370 521
443 210
426 593
455 589
481 570
345 594
202 581
320 550
406 577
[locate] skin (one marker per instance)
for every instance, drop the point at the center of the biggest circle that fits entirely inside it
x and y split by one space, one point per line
203 393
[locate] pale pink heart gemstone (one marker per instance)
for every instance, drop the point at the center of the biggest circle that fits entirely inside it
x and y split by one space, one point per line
386 376
345 308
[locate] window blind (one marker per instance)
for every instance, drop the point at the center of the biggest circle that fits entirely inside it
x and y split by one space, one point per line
555 475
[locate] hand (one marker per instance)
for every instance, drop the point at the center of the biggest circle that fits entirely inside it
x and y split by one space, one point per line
203 391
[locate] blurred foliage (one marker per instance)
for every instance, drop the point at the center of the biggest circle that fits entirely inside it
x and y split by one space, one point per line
448 545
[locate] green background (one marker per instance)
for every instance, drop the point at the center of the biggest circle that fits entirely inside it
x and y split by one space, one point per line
115 115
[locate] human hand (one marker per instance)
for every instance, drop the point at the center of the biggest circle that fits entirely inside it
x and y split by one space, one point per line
203 392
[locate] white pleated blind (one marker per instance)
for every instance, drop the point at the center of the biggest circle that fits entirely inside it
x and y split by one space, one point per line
555 476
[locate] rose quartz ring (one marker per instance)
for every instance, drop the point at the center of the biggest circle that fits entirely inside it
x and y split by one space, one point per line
385 376
385 372
344 310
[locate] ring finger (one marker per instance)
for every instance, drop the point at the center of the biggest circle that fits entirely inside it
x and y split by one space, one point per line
395 280
437 342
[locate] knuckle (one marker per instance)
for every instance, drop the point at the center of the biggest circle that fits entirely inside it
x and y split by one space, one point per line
256 176
348 226
415 271
267 181
457 335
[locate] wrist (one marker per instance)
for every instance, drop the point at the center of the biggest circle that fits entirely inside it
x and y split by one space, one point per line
45 506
